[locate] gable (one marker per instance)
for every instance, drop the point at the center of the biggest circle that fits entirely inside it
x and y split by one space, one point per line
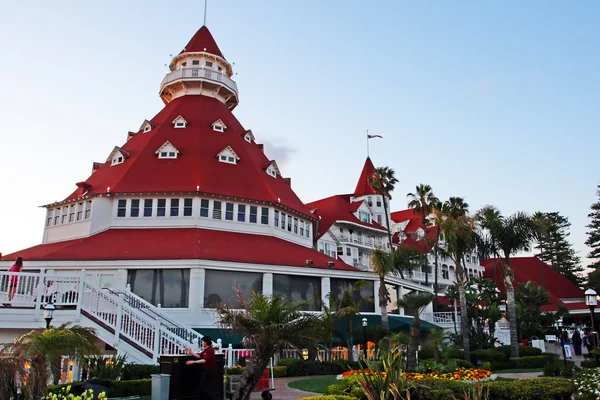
117 156
249 136
167 150
179 122
228 155
272 168
146 126
218 126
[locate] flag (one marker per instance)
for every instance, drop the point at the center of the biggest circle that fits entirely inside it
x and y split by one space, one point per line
374 136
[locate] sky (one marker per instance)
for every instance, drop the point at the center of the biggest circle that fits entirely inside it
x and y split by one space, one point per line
496 102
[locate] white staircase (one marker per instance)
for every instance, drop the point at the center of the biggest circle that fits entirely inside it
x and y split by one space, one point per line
120 318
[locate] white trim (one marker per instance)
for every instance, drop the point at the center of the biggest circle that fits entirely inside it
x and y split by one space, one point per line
382 231
228 156
179 122
167 150
219 126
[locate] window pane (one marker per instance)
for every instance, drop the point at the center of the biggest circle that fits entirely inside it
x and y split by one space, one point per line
121 208
204 208
217 210
264 217
253 214
187 207
148 207
338 286
161 208
135 208
299 288
241 213
229 211
174 207
167 287
218 287
392 306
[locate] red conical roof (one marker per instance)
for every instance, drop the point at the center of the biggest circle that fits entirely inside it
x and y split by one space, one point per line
202 41
363 187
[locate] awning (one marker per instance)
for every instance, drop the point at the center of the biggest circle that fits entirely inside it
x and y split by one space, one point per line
227 336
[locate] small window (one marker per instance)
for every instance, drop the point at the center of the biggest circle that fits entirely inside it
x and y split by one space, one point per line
209 64
79 211
289 225
307 230
161 208
122 208
379 219
147 129
282 221
187 207
164 154
72 213
264 216
183 64
148 207
271 172
64 215
276 219
218 128
301 228
135 208
220 69
230 159
223 158
171 154
49 220
88 209
57 216
179 124
174 208
241 213
340 251
195 62
253 214
204 208
248 138
378 201
216 210
370 201
348 251
295 225
229 211
364 217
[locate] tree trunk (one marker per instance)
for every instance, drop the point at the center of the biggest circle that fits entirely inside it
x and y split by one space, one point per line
511 307
349 339
250 376
464 320
435 273
383 302
411 357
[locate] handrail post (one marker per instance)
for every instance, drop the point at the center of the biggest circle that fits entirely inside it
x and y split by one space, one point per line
80 294
119 319
38 299
230 356
157 326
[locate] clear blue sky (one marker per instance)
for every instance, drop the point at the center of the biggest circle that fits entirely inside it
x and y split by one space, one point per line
493 101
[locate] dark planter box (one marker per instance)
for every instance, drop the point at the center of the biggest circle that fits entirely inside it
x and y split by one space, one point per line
97 385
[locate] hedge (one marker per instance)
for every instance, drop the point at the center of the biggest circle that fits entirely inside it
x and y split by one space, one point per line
139 371
532 361
296 367
588 364
490 355
142 387
523 389
524 351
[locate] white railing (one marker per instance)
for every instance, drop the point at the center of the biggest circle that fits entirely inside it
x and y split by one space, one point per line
31 289
200 74
175 327
439 317
233 355
355 239
502 336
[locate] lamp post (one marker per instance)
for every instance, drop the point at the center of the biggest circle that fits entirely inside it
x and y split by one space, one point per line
364 324
592 301
562 338
48 313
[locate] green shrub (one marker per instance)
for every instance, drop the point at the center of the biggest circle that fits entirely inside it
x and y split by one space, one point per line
138 371
487 355
524 351
234 371
329 397
347 387
455 352
531 361
55 389
284 362
279 371
460 362
426 351
588 364
297 367
508 364
142 387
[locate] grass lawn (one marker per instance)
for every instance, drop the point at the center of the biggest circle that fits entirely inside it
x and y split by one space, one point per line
518 371
317 384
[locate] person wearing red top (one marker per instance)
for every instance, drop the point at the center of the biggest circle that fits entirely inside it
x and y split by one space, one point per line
207 360
14 280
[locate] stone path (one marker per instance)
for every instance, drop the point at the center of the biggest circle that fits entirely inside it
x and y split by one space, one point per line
283 392
522 375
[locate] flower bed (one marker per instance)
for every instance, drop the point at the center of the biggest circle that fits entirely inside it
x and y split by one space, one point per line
587 384
460 374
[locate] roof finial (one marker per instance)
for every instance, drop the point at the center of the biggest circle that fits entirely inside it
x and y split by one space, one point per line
205 6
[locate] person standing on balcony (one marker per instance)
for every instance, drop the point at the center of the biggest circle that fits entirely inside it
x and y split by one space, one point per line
14 279
207 359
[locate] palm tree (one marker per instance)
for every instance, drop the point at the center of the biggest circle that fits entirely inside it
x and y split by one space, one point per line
423 201
382 266
269 324
437 208
406 259
486 218
460 235
436 336
456 207
512 235
383 182
45 348
416 302
346 307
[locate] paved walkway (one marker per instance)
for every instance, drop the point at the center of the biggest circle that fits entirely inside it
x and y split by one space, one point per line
283 392
522 375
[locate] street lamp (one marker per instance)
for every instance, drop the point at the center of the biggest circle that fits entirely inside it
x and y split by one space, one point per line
48 313
364 324
592 301
562 338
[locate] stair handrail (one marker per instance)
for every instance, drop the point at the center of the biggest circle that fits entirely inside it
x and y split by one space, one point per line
190 334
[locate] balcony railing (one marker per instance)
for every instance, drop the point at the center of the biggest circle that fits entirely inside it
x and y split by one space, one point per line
362 240
201 74
442 318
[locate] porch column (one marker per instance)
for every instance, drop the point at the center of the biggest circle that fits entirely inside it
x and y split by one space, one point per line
267 288
196 290
121 279
376 287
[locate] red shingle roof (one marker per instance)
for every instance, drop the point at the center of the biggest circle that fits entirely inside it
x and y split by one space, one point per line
363 187
202 41
180 243
197 165
338 208
415 220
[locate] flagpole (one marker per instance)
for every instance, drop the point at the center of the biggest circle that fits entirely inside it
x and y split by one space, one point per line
367 143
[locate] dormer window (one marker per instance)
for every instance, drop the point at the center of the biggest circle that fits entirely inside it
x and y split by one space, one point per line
179 122
249 136
227 155
218 126
117 156
364 217
271 168
271 172
146 126
167 150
